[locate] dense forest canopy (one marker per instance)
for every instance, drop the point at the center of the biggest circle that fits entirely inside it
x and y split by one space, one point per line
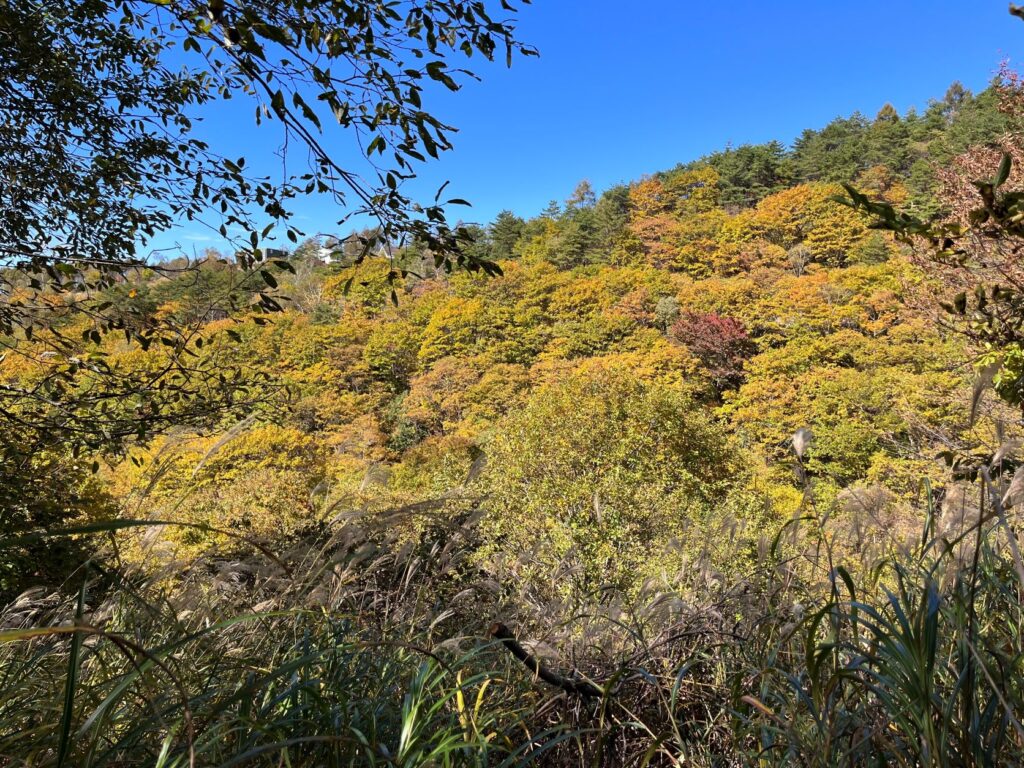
730 301
737 439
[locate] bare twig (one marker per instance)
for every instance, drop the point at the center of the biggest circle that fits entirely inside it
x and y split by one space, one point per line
569 684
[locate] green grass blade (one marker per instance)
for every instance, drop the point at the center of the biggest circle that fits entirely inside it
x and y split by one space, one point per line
67 716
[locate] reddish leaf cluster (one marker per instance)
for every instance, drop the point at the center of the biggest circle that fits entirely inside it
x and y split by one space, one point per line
720 342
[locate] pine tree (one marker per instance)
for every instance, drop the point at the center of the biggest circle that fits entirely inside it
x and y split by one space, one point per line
505 231
887 142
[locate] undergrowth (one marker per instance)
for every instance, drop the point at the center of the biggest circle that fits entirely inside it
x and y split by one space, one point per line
359 647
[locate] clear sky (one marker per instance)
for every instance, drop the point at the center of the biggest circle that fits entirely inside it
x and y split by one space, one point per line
622 89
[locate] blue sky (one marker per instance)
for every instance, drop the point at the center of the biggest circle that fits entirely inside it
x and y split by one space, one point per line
625 89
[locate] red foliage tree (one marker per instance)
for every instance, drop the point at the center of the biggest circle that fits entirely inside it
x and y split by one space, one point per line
721 344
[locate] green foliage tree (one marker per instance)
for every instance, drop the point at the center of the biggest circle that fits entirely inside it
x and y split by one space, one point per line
750 172
833 153
505 232
611 215
597 469
887 142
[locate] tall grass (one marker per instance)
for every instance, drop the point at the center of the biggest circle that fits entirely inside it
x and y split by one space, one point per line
357 648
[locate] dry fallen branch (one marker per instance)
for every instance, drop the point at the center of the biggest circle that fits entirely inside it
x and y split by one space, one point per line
569 684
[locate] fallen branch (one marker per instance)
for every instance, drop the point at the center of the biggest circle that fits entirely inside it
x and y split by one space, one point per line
572 684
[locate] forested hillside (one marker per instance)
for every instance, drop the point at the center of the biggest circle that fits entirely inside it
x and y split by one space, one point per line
723 382
633 378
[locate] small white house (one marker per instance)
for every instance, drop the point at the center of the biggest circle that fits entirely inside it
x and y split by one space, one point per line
336 255
330 255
